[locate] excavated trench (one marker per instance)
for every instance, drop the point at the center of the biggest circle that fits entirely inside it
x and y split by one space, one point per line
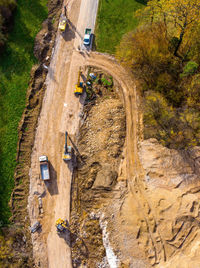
152 215
16 237
100 143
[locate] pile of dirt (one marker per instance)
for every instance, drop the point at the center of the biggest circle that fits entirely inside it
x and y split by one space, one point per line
100 143
21 256
154 219
159 217
172 189
45 39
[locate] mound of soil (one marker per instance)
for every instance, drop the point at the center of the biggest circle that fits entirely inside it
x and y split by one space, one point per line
100 143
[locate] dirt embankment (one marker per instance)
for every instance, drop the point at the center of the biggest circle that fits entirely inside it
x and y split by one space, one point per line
16 239
171 186
100 143
154 219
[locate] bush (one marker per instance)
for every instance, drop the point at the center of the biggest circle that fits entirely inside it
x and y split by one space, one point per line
177 129
171 93
193 92
7 8
158 116
146 57
190 69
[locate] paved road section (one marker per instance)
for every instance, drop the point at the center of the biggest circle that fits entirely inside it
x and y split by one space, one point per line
86 19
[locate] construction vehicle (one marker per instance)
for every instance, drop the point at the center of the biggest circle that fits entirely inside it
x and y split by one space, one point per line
61 225
79 86
87 37
63 21
67 155
44 167
35 227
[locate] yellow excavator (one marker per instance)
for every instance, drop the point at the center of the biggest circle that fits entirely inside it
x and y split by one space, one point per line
63 20
61 225
67 154
79 86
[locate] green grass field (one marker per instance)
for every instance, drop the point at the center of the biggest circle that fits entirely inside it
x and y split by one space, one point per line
114 19
15 66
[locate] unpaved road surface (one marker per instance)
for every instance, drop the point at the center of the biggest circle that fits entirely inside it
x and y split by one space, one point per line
140 229
60 112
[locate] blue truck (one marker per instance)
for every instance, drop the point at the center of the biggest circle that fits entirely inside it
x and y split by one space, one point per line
44 167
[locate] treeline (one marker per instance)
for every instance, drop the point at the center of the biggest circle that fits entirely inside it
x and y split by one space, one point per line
7 8
163 53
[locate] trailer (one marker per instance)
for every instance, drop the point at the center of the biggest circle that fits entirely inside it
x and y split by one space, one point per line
44 167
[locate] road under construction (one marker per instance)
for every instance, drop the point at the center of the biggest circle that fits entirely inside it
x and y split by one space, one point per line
60 112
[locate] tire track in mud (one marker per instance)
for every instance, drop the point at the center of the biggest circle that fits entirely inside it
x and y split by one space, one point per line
100 141
134 170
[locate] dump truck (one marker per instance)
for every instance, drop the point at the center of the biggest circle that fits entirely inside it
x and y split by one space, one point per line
87 37
79 86
67 154
44 167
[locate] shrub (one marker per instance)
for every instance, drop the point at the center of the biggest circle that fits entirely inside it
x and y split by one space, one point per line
146 57
190 69
7 8
174 128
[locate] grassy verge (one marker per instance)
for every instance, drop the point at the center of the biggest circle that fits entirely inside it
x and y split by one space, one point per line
15 66
114 19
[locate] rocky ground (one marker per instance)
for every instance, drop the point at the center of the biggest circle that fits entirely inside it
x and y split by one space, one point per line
100 143
172 189
150 218
137 203
159 216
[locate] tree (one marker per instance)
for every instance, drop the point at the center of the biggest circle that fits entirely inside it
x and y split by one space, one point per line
190 68
146 57
6 11
164 56
176 129
181 18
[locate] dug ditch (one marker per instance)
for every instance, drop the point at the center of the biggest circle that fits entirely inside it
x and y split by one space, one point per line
100 142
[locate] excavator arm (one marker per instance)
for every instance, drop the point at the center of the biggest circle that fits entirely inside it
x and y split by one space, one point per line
67 149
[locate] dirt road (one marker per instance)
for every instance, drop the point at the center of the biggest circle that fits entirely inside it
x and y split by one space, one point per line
58 196
60 112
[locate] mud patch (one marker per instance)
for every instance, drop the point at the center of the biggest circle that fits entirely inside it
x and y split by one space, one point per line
100 143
